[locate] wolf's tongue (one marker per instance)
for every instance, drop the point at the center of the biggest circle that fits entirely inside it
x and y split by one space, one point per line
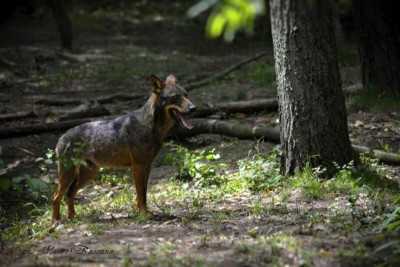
184 121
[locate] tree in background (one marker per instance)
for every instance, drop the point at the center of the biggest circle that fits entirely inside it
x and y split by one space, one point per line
313 119
63 22
378 30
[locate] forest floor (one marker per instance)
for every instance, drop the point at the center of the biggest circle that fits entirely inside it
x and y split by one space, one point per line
240 220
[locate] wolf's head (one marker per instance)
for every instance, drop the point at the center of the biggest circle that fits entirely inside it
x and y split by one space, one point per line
172 99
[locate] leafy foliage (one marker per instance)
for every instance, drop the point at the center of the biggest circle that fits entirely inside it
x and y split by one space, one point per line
261 174
197 166
19 183
229 16
308 180
392 225
111 177
71 155
47 161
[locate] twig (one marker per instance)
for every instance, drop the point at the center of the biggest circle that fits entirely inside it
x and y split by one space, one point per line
223 73
10 167
7 62
82 57
26 151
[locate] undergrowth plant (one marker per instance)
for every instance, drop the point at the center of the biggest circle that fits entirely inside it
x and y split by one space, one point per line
391 225
260 173
19 184
199 166
371 98
309 181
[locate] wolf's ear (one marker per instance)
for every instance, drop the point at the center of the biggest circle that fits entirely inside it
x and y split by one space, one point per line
156 84
170 79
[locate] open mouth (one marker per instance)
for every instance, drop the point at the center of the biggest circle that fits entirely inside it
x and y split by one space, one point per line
179 117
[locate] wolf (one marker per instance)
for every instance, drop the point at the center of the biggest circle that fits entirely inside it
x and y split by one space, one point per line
132 140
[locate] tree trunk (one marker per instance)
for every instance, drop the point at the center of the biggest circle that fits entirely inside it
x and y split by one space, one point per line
63 22
378 30
311 103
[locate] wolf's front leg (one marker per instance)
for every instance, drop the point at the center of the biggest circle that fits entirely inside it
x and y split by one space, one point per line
141 174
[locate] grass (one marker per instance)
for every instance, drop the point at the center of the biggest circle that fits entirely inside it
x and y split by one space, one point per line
119 70
352 198
278 249
348 56
309 182
372 99
67 76
259 73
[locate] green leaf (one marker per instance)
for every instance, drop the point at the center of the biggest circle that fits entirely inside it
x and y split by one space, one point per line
388 245
18 179
393 226
215 25
39 159
396 200
234 17
36 184
5 185
18 188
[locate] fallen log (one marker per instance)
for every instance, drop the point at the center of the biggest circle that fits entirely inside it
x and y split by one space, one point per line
389 158
74 117
59 102
17 116
246 131
201 126
241 131
248 106
29 129
102 100
86 110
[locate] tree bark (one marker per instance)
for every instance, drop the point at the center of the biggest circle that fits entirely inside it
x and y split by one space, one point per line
378 30
311 103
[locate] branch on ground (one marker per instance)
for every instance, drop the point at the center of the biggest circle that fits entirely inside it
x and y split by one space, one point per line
223 73
201 126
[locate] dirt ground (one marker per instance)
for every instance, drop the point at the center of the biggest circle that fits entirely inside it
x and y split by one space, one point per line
120 52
